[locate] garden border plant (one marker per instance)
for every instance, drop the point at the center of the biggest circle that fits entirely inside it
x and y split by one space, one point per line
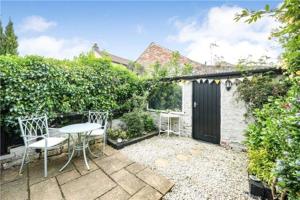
273 140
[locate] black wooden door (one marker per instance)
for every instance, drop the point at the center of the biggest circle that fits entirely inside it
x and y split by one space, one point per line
206 111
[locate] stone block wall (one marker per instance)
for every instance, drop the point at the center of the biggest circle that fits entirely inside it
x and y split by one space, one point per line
233 122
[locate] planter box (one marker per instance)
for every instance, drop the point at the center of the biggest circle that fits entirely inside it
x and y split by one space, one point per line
120 145
259 189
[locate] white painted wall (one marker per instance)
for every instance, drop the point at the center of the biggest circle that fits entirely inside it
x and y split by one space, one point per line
233 122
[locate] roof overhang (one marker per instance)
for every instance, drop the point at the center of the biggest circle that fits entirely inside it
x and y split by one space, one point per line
226 75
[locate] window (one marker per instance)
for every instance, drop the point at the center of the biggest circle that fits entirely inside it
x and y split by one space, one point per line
166 97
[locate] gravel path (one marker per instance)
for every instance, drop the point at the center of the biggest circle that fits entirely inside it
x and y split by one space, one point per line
199 170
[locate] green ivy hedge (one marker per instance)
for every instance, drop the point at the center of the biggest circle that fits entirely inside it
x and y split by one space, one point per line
36 85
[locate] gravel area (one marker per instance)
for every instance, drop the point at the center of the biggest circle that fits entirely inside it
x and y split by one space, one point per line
199 170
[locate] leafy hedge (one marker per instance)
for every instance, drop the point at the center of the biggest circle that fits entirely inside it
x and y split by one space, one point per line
274 143
36 85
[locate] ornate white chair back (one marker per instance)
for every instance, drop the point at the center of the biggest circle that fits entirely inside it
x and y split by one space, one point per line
32 127
99 118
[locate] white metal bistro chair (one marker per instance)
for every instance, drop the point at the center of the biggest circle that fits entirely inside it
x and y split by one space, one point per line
102 119
35 134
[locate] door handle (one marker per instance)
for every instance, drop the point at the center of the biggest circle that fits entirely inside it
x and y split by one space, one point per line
195 104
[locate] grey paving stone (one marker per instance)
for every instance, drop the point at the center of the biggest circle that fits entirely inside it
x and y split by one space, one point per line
81 167
67 176
147 193
127 181
46 190
135 168
12 174
87 187
123 158
159 182
36 169
109 150
115 194
112 163
16 190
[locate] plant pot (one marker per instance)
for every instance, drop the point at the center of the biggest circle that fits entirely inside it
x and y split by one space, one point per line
256 186
259 189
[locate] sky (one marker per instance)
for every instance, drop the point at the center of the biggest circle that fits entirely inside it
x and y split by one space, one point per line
63 29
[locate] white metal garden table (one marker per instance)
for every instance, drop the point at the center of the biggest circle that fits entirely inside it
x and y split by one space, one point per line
169 117
82 131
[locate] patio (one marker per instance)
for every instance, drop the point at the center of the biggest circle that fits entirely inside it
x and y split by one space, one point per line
112 176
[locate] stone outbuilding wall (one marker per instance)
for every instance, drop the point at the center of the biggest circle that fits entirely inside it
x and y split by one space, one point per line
233 122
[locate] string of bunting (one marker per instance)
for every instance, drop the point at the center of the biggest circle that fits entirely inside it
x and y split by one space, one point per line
217 81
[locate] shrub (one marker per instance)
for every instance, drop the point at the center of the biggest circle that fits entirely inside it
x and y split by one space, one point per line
274 143
36 85
138 121
148 122
118 133
134 124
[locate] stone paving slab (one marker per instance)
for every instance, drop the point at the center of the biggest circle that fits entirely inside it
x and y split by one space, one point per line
112 163
45 190
17 190
67 176
81 167
128 181
36 169
112 176
160 183
12 174
88 187
108 151
115 194
135 168
147 193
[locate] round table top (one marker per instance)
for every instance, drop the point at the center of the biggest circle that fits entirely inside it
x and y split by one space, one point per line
79 128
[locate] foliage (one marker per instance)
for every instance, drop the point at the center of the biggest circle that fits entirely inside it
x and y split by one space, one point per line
118 133
288 13
9 40
2 39
137 68
148 122
256 91
134 124
251 63
171 68
35 85
138 121
273 142
276 127
260 164
167 96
